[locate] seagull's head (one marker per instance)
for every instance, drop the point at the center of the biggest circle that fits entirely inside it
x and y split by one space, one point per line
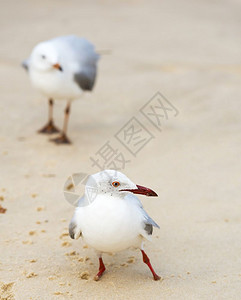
115 183
45 58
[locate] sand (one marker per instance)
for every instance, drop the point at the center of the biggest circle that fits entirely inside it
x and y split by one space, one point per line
190 52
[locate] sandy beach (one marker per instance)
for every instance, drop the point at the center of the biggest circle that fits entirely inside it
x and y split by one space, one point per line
189 51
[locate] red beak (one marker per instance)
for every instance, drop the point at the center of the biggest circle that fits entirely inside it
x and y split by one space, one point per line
141 190
58 66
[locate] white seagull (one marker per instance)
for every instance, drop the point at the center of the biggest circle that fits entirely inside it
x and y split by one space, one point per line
114 219
62 68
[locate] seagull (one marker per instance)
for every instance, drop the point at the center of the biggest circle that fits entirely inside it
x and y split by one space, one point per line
62 68
110 218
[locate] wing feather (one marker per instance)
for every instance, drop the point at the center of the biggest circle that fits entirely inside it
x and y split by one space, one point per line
82 59
25 64
74 226
148 222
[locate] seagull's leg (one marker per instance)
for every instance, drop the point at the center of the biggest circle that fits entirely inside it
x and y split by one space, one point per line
101 269
63 139
146 260
49 128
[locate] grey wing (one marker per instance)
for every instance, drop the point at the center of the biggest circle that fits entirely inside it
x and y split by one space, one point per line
74 226
83 56
86 75
25 64
85 81
148 222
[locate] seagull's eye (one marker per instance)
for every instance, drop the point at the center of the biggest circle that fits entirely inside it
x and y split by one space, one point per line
43 56
115 183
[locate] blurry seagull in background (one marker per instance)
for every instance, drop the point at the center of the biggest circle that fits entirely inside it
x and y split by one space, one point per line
115 220
62 68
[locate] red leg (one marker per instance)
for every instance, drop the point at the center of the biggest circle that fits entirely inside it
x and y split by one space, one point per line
49 128
101 269
146 260
63 139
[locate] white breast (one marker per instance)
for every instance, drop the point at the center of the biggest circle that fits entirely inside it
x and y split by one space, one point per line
110 224
55 84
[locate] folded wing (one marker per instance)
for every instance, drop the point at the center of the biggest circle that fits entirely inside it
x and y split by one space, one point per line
74 227
147 221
